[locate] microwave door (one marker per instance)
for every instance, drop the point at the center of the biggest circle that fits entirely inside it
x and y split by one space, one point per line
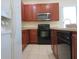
43 16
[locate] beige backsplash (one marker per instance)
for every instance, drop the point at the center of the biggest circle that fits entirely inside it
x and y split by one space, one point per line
35 24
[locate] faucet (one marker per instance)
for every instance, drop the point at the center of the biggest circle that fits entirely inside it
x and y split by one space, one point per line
66 21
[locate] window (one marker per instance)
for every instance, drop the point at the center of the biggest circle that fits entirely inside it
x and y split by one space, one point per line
69 15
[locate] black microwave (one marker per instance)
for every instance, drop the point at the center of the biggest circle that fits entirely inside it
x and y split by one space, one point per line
43 16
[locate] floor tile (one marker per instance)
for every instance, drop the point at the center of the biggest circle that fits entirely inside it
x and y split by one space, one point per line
34 51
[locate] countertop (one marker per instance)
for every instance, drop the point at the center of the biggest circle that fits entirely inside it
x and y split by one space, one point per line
52 28
66 29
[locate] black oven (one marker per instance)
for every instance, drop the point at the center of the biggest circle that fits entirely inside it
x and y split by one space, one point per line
44 34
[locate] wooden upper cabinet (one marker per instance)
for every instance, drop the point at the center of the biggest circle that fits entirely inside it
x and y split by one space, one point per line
34 13
42 8
27 12
54 10
33 36
22 11
30 11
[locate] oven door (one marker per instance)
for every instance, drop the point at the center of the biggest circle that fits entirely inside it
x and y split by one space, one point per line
44 34
44 37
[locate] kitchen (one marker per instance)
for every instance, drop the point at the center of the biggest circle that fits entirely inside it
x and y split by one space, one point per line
34 15
44 18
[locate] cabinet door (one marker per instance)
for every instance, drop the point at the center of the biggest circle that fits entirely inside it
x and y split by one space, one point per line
74 45
34 13
22 12
54 10
42 8
27 12
33 36
30 12
54 43
25 38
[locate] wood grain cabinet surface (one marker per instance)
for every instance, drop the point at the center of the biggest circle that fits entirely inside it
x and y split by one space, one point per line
33 36
25 38
27 12
42 8
74 45
54 43
54 10
34 12
30 11
22 11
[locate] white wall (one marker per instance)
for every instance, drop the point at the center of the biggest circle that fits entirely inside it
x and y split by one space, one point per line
65 3
38 1
68 2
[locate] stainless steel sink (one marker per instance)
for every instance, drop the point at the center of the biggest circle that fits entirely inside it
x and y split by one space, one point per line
71 26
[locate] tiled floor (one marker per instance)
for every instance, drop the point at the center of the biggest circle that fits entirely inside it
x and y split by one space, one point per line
38 52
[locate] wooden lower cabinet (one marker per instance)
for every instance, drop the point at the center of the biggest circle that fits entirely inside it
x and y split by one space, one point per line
25 38
33 36
54 43
74 45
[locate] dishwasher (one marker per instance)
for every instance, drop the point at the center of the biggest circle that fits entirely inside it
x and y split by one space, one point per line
64 44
